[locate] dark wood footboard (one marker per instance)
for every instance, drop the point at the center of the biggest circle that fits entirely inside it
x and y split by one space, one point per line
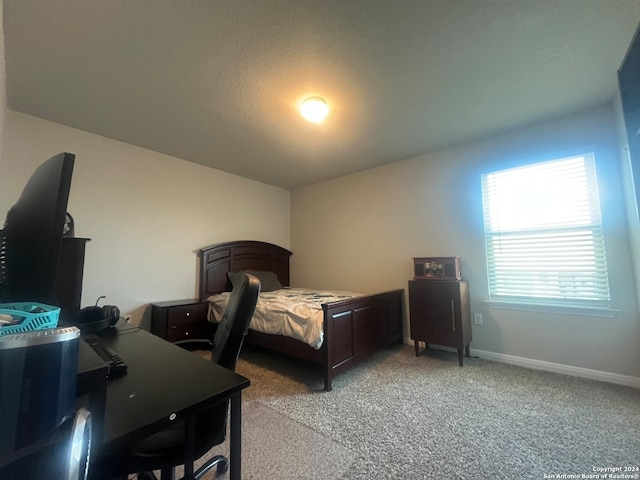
354 328
358 327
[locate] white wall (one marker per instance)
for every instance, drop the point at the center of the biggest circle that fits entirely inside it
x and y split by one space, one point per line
147 214
360 232
3 90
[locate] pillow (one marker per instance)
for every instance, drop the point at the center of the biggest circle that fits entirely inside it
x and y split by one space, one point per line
234 277
268 280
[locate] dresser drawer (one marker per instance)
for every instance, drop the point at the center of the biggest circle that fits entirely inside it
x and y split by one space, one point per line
439 314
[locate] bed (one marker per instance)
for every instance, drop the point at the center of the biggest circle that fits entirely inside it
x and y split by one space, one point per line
353 328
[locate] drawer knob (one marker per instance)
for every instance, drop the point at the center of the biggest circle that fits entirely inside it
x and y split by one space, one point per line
188 313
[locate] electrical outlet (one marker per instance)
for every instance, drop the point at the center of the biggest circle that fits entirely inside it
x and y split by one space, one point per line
477 319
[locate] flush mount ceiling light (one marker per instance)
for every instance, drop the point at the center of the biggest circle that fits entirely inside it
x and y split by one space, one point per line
314 109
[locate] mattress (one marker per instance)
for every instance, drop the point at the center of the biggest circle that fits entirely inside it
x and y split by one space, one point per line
293 312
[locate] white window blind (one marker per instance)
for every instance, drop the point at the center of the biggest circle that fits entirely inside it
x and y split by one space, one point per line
544 236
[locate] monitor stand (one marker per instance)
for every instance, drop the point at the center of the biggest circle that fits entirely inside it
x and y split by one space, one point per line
68 288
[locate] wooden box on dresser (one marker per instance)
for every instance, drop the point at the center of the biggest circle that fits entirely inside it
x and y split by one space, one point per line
181 320
440 314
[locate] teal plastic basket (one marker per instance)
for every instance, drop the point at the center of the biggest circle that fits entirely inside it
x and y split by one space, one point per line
27 316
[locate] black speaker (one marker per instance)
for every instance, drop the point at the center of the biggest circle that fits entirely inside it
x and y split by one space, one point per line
37 385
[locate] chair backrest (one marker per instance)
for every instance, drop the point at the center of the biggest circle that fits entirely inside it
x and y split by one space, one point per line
234 324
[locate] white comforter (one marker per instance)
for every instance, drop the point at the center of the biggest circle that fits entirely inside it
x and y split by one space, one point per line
293 312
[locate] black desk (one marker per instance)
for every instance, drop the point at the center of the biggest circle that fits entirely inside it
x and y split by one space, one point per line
165 383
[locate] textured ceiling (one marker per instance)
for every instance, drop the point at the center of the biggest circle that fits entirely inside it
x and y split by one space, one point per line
217 82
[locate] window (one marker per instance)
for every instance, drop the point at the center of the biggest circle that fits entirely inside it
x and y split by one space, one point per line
544 236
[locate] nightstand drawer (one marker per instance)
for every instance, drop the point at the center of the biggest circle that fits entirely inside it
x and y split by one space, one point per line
187 331
187 322
185 314
181 320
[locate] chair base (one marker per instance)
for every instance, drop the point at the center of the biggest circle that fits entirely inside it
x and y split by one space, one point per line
219 462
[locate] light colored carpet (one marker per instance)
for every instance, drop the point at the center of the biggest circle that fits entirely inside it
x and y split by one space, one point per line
398 416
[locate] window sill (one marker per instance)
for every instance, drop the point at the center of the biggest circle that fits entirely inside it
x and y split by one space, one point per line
556 309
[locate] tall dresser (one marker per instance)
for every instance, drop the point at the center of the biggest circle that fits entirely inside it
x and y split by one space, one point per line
439 308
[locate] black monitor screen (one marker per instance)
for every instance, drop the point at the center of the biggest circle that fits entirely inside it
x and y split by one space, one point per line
33 233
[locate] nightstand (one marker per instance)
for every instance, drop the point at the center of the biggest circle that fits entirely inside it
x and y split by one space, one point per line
181 321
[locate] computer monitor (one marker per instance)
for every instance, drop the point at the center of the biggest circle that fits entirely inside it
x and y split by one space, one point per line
33 231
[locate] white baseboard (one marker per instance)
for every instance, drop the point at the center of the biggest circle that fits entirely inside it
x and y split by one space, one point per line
626 380
618 379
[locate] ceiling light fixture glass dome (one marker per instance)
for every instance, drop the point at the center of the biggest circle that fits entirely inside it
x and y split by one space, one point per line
314 109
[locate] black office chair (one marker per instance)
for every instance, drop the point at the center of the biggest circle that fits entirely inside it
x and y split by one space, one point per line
167 449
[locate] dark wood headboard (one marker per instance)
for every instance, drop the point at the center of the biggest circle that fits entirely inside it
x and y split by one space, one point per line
217 260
